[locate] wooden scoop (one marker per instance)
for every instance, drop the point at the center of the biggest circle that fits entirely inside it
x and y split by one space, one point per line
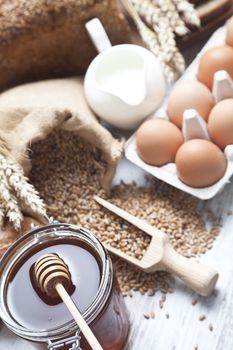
161 256
53 277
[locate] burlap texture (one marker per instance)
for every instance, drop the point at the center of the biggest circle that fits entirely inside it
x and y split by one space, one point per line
30 112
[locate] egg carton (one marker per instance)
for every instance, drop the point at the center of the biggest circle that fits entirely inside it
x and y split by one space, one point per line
193 127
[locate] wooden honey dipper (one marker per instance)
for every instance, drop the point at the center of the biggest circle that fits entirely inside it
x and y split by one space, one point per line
53 278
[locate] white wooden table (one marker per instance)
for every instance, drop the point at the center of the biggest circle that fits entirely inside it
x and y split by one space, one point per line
183 330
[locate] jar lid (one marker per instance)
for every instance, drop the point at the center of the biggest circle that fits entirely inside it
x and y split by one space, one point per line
22 307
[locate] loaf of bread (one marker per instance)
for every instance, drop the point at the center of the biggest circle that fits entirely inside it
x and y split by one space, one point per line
44 38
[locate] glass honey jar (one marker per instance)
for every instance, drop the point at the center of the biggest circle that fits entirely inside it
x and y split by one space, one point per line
96 293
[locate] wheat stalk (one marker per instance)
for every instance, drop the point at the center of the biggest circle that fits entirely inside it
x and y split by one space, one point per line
8 200
169 10
150 38
179 62
158 21
14 188
188 11
1 214
158 16
24 190
152 16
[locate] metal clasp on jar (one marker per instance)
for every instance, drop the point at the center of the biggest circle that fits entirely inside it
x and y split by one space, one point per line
74 341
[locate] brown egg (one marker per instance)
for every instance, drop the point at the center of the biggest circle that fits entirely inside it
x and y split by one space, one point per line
215 59
229 34
220 123
200 163
157 141
189 94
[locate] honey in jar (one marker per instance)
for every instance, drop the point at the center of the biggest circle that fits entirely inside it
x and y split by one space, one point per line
40 318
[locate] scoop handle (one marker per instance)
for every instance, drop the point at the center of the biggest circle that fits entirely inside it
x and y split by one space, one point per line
199 277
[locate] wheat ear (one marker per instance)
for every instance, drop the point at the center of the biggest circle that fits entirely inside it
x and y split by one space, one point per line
8 200
2 214
169 10
15 188
24 190
150 39
188 12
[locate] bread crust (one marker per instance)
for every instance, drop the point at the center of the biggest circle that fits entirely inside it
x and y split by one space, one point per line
43 39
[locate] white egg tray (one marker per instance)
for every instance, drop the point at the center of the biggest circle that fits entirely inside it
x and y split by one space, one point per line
167 173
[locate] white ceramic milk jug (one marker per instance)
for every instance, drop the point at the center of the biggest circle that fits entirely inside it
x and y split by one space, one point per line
124 83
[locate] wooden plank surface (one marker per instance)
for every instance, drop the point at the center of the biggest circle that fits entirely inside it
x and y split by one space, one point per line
183 330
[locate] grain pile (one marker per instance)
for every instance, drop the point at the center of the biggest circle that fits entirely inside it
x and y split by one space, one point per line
66 172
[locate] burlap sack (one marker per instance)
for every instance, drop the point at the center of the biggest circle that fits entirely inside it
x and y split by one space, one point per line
29 113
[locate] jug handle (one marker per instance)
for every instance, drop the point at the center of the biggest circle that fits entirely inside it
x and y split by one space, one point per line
98 34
